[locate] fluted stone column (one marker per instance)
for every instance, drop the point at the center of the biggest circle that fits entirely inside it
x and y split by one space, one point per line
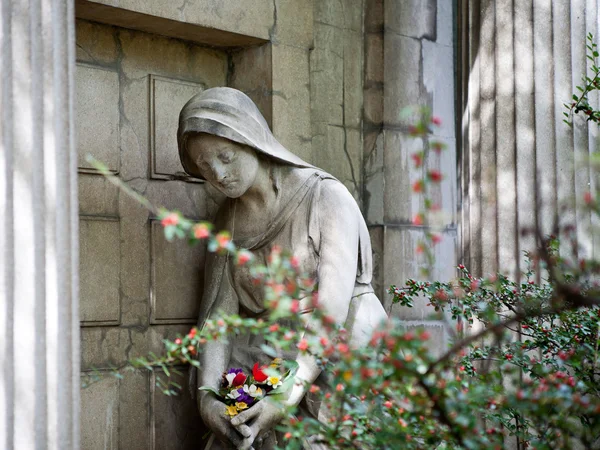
39 323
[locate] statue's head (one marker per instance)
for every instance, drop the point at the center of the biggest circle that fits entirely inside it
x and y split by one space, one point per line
229 166
221 136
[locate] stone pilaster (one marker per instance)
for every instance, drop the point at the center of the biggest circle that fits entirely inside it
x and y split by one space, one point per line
39 319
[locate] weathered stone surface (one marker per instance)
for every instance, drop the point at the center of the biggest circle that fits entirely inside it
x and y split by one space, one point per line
100 414
416 19
291 99
400 204
401 262
175 424
97 197
377 245
133 405
353 14
167 97
373 16
245 17
444 23
402 81
329 12
97 107
99 253
374 181
294 23
373 105
252 73
438 81
437 344
175 295
374 58
353 78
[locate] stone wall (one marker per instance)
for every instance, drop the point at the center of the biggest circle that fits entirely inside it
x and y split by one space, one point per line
409 61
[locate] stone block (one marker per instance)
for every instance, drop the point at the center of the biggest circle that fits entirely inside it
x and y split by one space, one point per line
353 78
438 81
444 23
133 398
167 97
401 262
374 58
353 15
373 16
415 19
400 204
376 232
104 347
94 44
176 421
175 295
373 105
243 17
252 73
402 76
97 196
99 418
291 99
374 182
99 253
330 12
97 110
437 344
294 24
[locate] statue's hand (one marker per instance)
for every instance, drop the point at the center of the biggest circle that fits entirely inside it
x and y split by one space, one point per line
260 418
212 412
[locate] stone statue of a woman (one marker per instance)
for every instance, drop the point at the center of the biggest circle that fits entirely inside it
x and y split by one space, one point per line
273 198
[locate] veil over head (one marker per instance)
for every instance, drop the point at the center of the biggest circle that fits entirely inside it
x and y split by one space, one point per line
230 114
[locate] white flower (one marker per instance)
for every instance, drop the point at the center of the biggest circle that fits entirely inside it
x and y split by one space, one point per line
253 391
274 381
233 394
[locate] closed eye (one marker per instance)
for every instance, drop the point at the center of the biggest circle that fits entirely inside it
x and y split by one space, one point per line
225 158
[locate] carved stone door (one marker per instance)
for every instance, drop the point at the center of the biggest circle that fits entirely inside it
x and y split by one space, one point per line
136 288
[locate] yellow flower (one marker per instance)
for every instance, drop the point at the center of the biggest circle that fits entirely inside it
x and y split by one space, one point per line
241 406
231 410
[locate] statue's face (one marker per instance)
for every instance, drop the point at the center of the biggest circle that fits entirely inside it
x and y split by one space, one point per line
228 166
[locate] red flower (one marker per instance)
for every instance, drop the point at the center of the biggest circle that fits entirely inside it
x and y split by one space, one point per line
420 249
418 219
274 327
587 198
258 374
192 333
438 146
178 341
417 159
436 238
243 257
287 435
170 219
388 404
418 186
339 387
223 239
343 348
294 262
201 231
295 306
436 120
239 379
314 388
303 345
435 176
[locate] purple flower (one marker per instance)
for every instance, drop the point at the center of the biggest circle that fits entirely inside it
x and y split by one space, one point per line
244 397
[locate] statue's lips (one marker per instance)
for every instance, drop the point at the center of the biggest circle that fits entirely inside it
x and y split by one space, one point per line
228 184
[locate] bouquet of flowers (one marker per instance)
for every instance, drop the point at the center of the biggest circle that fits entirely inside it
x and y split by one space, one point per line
240 391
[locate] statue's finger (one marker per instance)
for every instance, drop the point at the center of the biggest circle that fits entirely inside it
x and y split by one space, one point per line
245 416
244 430
246 443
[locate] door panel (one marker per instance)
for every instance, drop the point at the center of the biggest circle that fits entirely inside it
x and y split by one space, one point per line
136 289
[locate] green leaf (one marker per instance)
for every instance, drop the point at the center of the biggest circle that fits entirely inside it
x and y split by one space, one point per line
209 389
270 351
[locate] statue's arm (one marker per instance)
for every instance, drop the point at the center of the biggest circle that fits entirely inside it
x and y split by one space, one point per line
339 235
